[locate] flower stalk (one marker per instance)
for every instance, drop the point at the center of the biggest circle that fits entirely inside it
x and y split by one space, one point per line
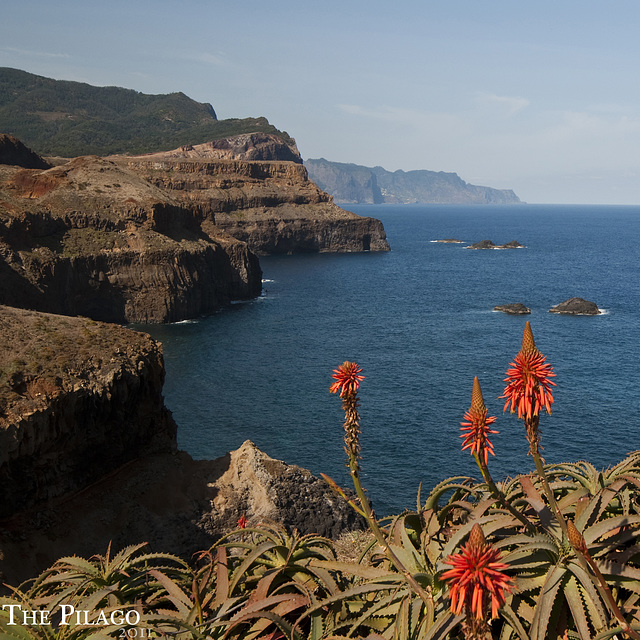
347 383
584 557
528 391
476 431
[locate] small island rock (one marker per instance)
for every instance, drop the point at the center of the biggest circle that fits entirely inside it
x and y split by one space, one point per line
576 307
514 309
488 244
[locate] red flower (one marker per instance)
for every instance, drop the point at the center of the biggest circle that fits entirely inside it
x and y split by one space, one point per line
242 522
477 429
477 576
347 378
528 386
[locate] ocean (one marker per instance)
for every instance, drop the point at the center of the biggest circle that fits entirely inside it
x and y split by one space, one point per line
420 322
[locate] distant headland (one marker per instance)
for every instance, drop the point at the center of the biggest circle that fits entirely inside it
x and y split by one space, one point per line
357 184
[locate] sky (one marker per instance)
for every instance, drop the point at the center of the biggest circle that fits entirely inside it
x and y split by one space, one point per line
539 97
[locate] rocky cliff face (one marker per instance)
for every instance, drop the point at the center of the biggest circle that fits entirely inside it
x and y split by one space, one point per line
88 455
351 184
163 237
77 400
92 238
270 205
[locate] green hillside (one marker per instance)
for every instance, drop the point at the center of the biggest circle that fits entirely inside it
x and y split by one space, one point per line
63 118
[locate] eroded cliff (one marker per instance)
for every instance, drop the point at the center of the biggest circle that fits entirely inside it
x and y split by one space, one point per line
88 455
78 398
92 238
163 237
270 205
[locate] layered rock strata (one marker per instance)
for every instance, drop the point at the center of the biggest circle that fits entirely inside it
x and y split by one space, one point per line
270 205
92 238
162 237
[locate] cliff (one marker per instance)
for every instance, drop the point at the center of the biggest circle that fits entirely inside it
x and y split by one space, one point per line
162 237
351 184
271 205
91 238
77 399
88 455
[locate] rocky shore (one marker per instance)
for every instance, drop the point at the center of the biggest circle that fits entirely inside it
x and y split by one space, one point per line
88 454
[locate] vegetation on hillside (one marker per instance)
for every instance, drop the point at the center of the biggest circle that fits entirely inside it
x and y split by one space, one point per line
553 554
68 119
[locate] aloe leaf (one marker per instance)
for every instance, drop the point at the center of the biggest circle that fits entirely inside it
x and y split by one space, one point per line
356 569
444 624
450 484
574 600
537 503
615 631
179 599
617 569
597 530
513 621
592 599
547 602
239 573
285 626
124 555
77 563
91 603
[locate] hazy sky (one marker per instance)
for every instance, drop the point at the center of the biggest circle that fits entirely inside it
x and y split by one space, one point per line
540 97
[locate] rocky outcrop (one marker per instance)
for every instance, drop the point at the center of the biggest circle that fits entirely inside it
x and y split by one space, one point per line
356 184
272 206
576 307
88 455
265 489
77 399
248 146
488 244
89 460
176 504
92 238
12 151
513 309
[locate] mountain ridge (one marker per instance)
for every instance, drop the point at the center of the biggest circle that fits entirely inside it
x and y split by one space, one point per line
70 119
350 183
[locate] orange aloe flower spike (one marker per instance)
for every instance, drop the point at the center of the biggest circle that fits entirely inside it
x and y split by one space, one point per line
528 387
347 379
476 429
477 581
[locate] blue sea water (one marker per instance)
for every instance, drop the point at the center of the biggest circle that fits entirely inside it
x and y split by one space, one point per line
419 321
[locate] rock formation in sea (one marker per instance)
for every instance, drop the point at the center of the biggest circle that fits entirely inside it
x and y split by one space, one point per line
88 455
513 309
488 244
357 184
576 307
151 238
